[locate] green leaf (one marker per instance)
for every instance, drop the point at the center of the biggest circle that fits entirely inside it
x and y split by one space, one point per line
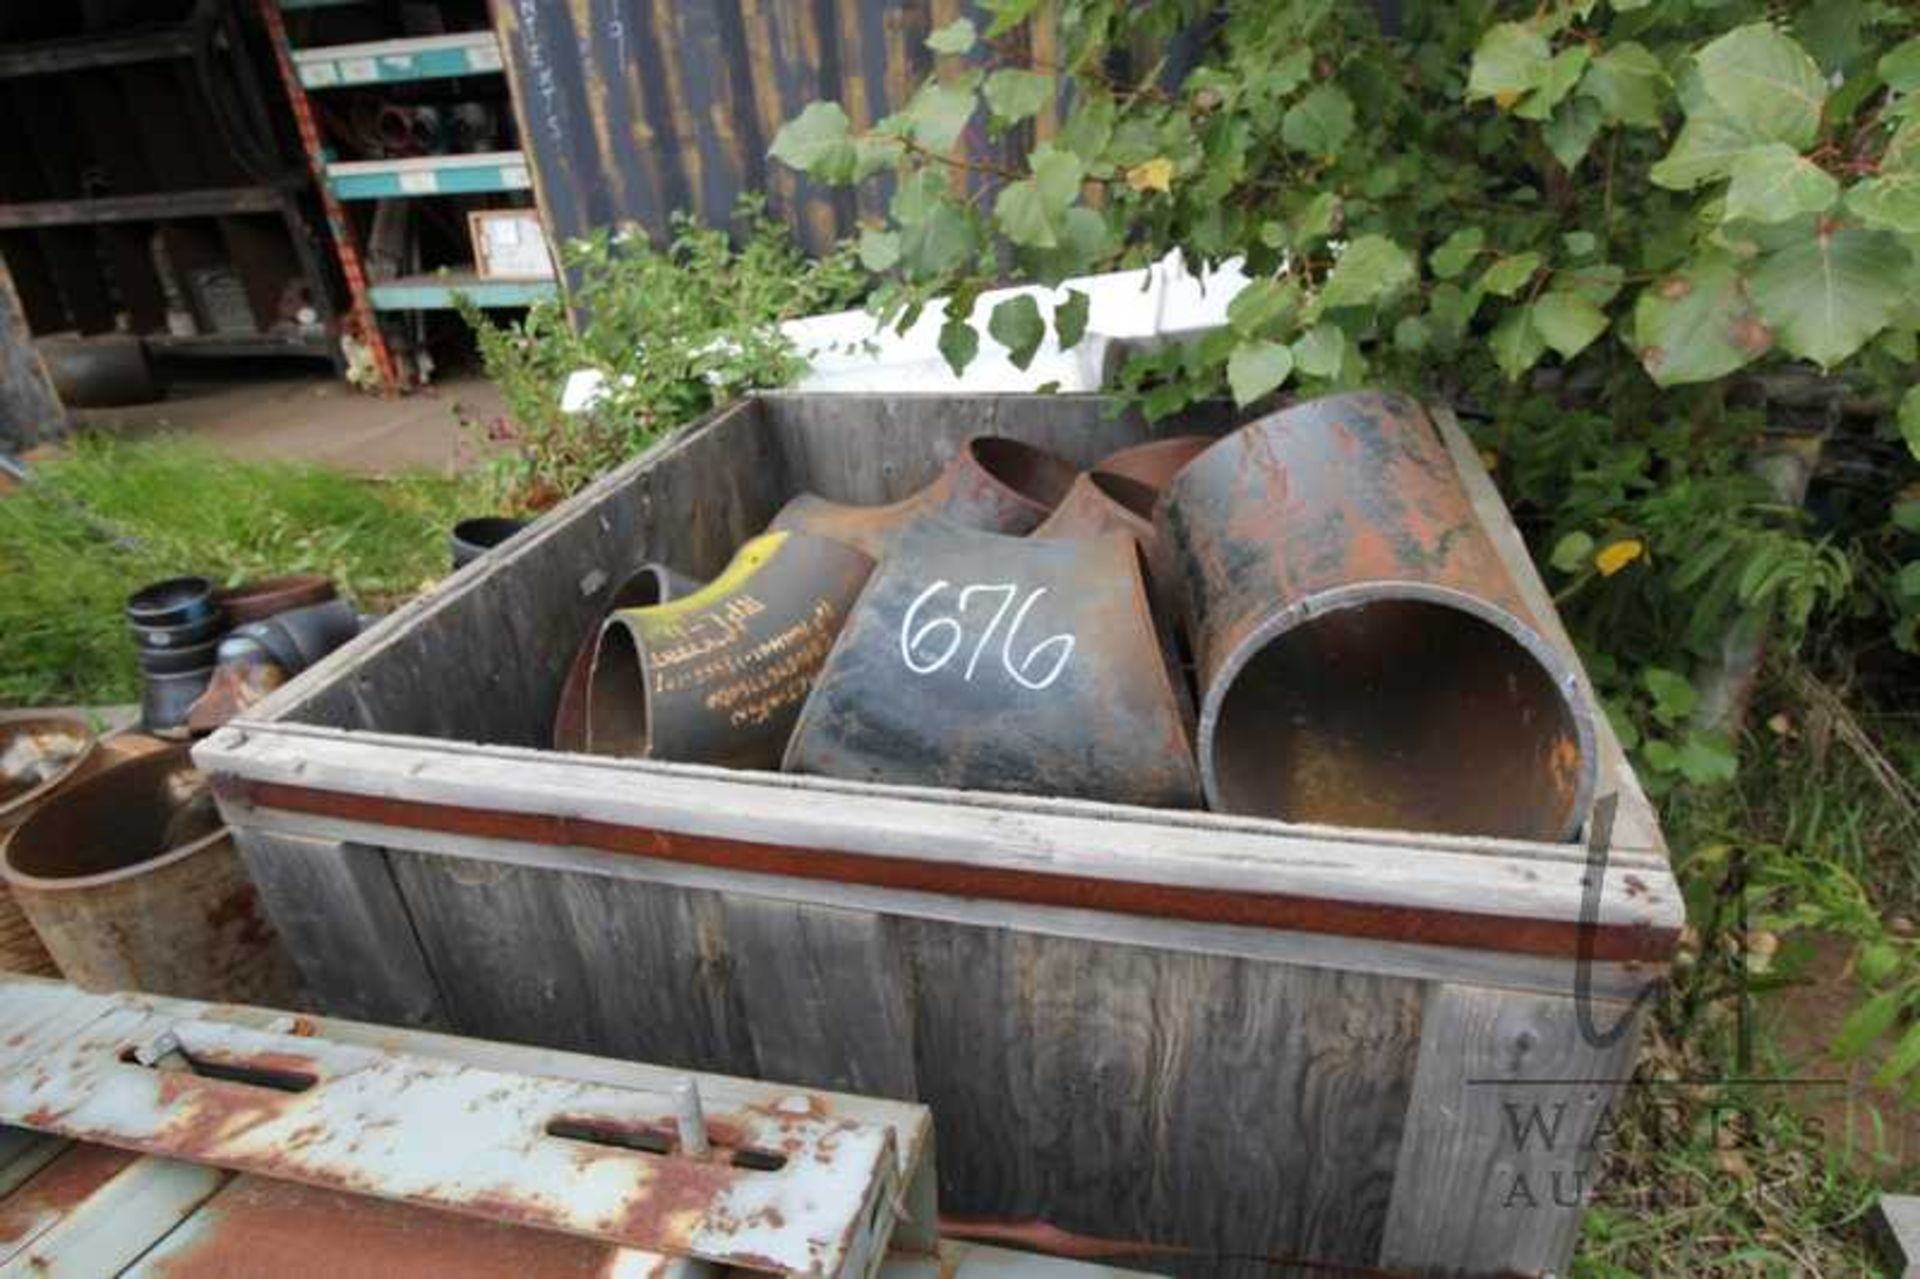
1320 122
1906 515
1255 368
1571 132
874 152
1698 325
1829 294
1903 149
1910 420
958 344
1661 756
1865 1024
917 195
1708 144
1775 183
1707 760
957 36
1033 210
1875 962
937 115
1317 220
1516 344
1510 274
1580 243
1412 334
1016 325
1283 76
1563 73
1070 318
1889 203
1007 14
1570 553
1626 81
1761 76
942 240
1674 696
1012 95
1568 322
1058 174
1320 351
1088 128
1453 307
1510 61
1900 66
1372 267
879 250
1263 306
1457 252
1598 282
819 143
1902 1061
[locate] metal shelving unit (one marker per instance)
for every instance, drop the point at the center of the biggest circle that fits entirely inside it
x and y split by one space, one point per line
474 174
398 61
143 190
392 62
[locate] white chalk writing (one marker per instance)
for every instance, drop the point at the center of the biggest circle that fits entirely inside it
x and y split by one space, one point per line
931 644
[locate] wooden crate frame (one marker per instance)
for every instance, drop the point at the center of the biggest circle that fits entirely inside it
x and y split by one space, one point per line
1243 1037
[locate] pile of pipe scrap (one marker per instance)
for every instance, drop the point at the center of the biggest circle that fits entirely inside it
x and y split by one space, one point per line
156 1137
206 654
1314 582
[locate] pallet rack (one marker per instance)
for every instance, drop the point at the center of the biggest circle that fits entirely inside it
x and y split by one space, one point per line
389 62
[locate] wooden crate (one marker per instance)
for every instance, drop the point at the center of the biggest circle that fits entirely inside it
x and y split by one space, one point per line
1334 1078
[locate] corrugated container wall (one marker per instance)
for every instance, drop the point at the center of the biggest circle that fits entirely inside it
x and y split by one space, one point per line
632 110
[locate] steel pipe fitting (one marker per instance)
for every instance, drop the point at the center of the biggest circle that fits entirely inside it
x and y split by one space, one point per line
1156 462
1363 655
718 676
982 661
993 483
646 586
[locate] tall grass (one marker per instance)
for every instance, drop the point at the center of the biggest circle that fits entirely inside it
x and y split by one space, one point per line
114 515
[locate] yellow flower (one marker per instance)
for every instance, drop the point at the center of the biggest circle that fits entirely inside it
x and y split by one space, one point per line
1615 556
1153 175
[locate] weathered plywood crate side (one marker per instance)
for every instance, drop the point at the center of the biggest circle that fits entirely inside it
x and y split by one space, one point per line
1262 1043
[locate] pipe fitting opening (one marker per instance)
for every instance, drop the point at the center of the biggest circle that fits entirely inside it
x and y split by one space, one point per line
1400 706
617 695
1033 473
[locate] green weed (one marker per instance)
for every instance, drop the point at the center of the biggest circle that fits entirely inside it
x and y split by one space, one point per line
114 515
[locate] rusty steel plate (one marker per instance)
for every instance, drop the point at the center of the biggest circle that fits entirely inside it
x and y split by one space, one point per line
782 1188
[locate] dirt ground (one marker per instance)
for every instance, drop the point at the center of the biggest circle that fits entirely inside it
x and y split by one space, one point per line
1858 1118
305 413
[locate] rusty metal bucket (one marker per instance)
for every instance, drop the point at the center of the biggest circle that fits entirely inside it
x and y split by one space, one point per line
133 884
648 585
41 755
1363 655
718 676
992 483
1156 462
988 662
